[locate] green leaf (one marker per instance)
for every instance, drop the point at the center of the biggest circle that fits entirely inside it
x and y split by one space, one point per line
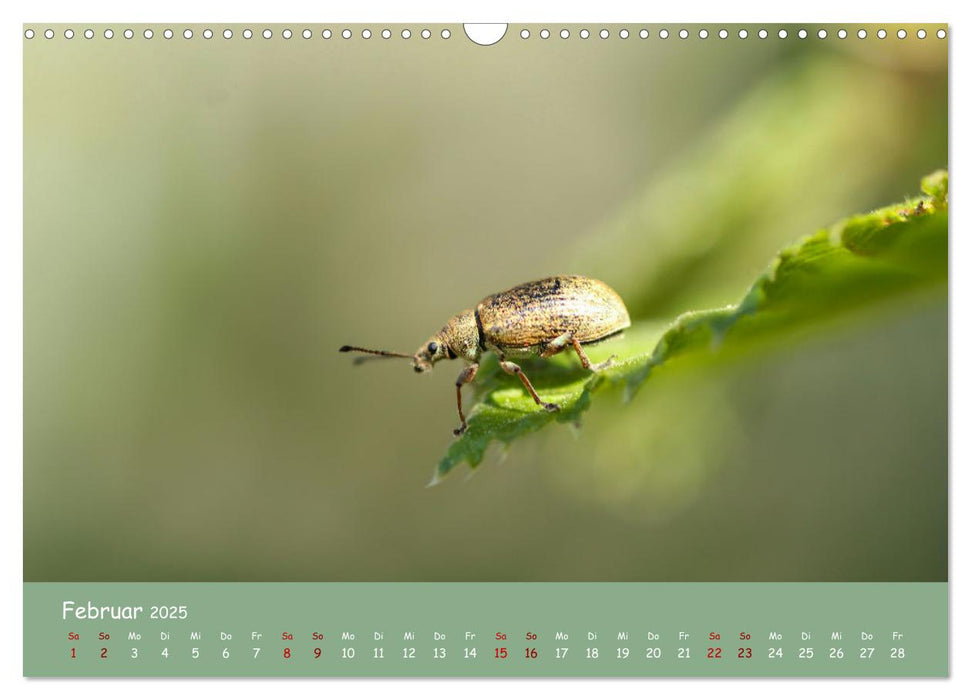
858 261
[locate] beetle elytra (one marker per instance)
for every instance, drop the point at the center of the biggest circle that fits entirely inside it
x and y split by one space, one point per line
540 318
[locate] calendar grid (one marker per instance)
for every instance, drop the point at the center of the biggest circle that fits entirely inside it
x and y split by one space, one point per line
481 630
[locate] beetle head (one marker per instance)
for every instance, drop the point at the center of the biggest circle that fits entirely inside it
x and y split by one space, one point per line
430 353
458 338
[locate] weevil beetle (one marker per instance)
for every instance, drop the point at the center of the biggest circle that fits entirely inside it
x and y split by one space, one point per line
540 318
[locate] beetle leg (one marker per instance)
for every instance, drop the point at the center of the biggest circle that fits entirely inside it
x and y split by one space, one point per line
585 361
465 376
513 368
557 345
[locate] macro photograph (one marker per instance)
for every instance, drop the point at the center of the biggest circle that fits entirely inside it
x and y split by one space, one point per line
613 306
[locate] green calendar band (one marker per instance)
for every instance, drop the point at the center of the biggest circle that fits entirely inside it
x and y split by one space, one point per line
485 629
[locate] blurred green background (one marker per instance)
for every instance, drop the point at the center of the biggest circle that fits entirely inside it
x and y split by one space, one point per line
206 221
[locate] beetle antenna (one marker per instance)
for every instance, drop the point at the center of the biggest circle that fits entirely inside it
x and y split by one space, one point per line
379 353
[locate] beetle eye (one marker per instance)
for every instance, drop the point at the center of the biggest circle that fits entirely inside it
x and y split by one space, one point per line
432 347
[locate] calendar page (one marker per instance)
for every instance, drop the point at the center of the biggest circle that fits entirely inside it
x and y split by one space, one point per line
485 350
